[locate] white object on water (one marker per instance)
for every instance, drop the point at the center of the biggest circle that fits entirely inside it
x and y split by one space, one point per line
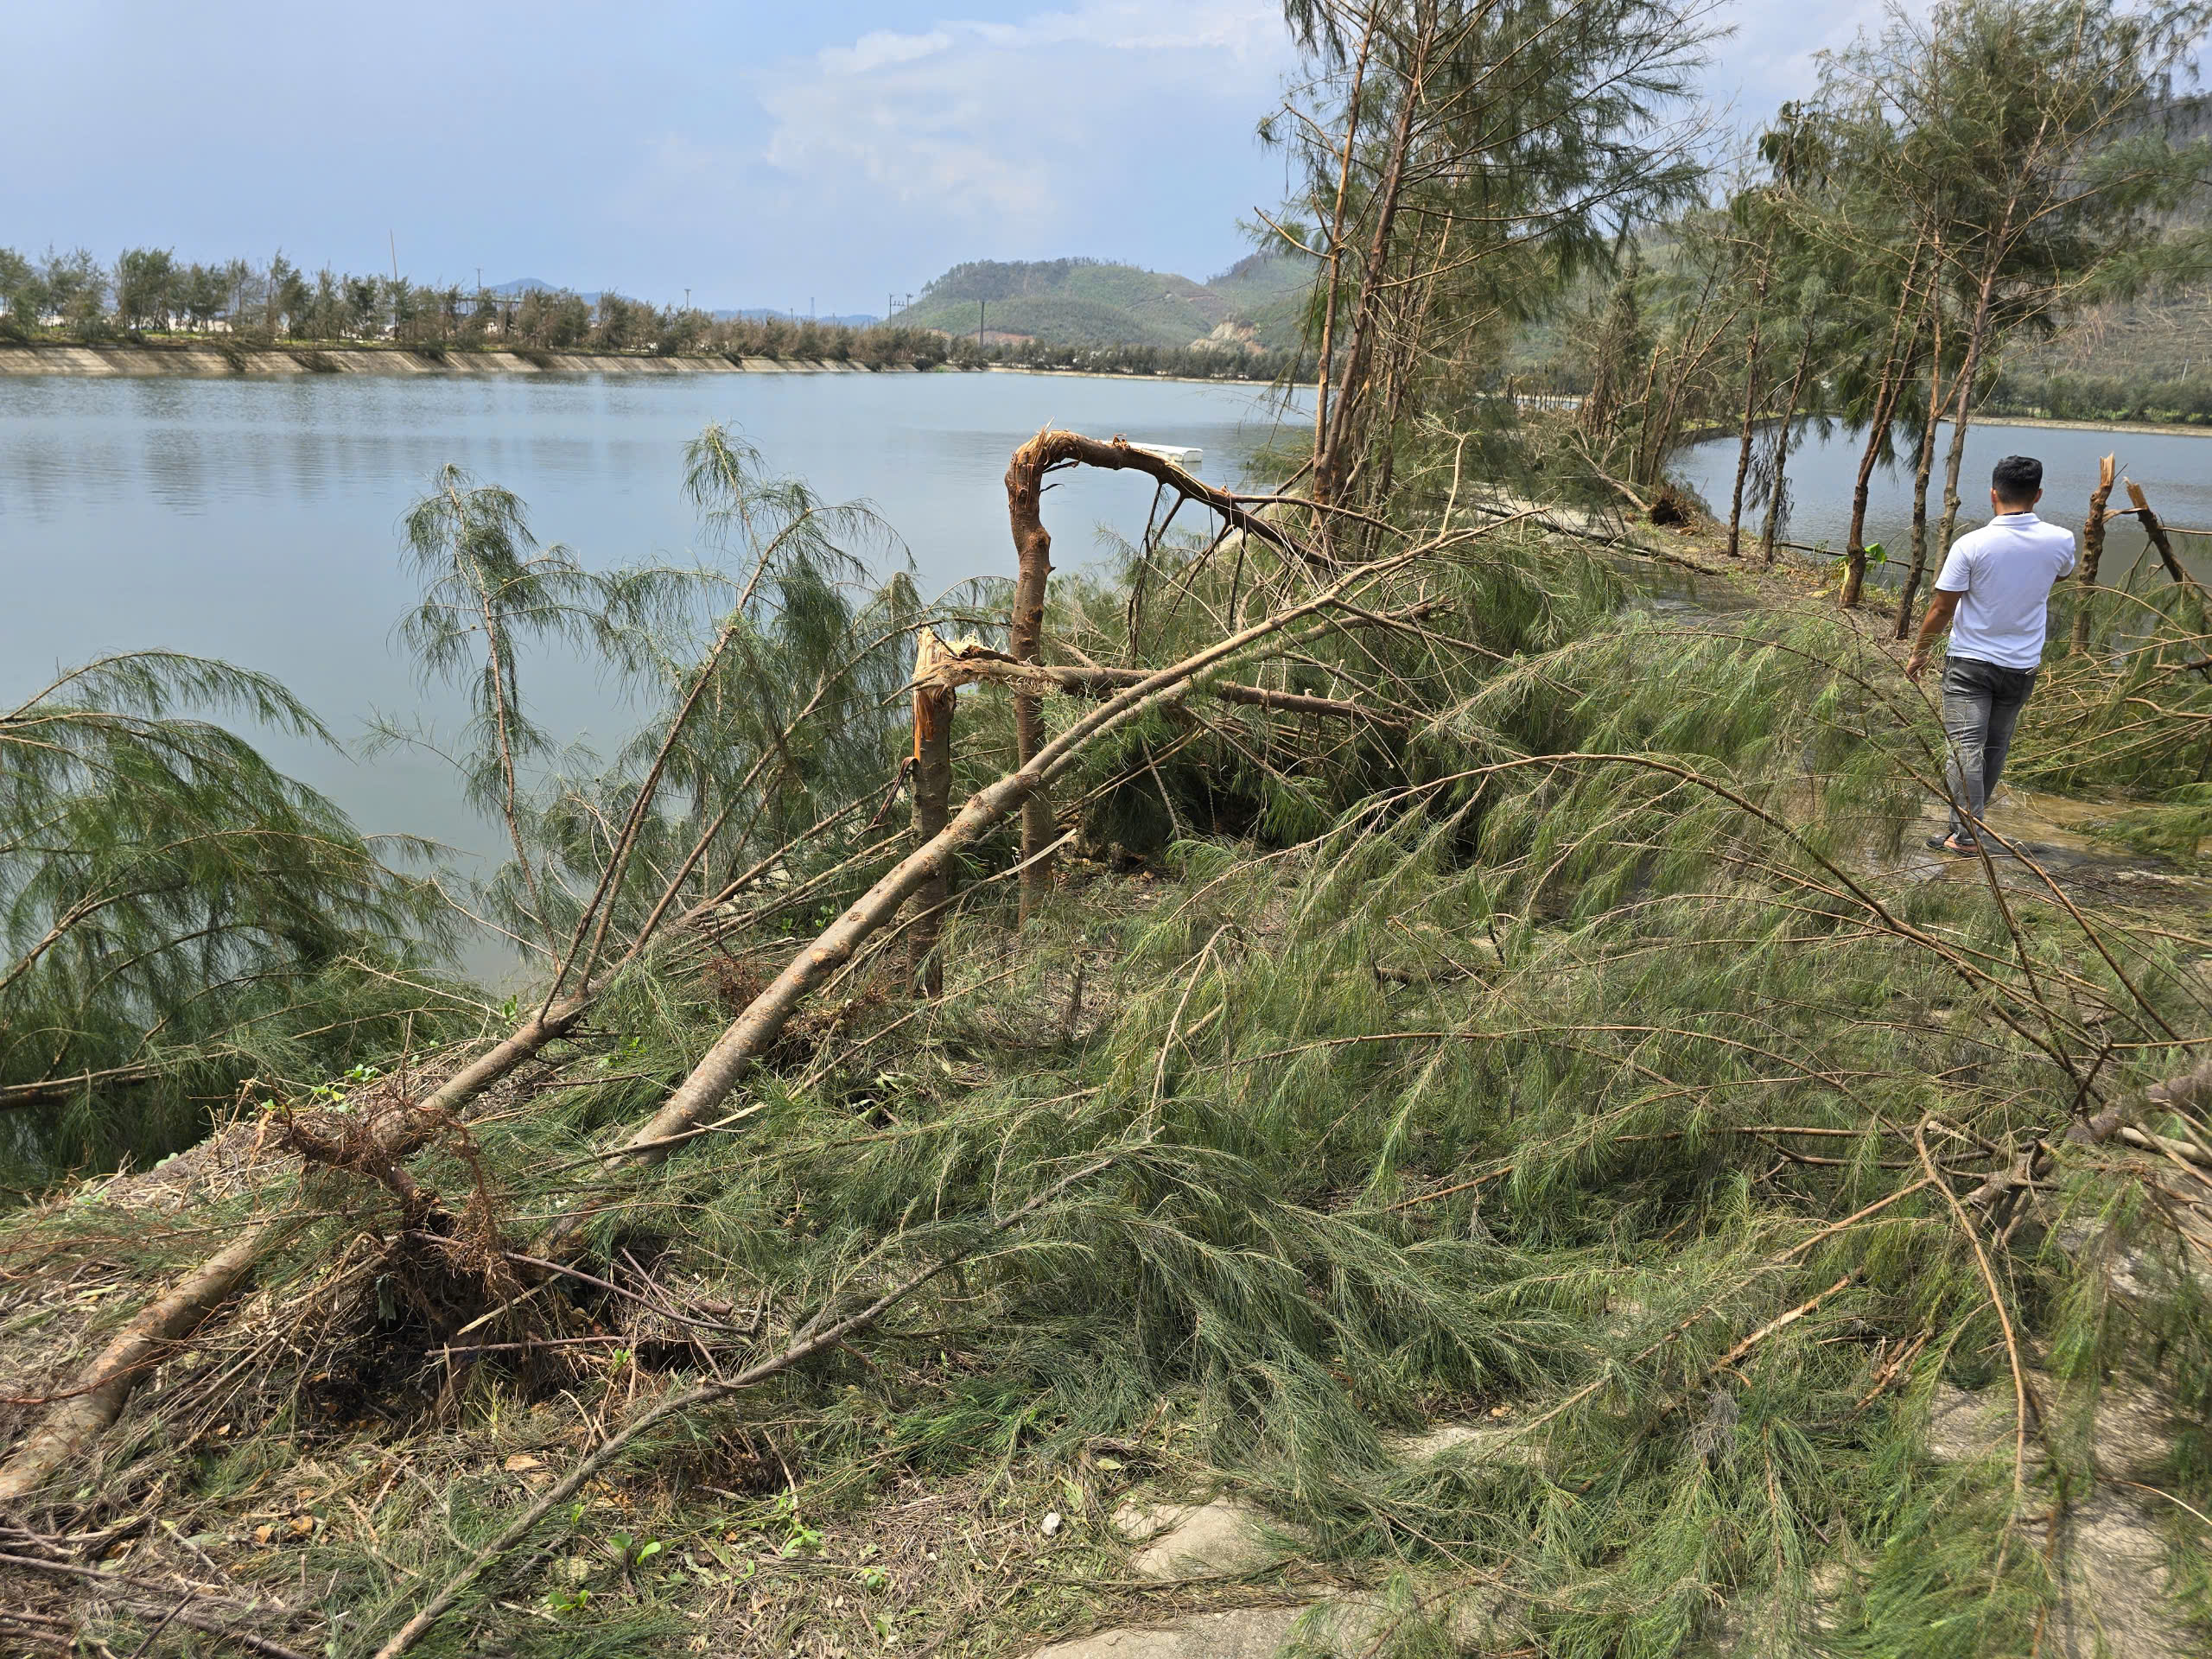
1182 454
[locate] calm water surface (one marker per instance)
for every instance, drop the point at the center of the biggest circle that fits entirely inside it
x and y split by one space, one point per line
258 521
2175 470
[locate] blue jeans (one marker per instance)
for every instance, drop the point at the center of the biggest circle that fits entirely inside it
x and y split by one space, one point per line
1981 705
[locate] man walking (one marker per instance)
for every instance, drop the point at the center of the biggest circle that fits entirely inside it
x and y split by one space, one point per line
1996 583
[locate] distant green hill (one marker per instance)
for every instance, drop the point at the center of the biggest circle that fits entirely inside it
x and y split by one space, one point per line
1095 302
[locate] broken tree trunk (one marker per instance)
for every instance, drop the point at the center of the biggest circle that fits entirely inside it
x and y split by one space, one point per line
933 707
2160 541
1032 552
2093 553
1032 547
96 1397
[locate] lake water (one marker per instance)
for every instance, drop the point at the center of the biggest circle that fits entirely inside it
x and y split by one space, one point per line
2174 468
258 521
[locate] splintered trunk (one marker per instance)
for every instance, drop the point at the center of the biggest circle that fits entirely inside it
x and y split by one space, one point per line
2093 553
1032 549
2161 544
933 707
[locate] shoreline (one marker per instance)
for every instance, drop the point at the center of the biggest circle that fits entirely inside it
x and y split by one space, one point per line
213 362
2148 428
274 362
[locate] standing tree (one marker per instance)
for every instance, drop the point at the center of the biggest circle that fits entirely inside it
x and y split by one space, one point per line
22 296
1457 158
487 587
145 280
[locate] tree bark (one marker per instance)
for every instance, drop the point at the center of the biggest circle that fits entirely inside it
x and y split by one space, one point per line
1032 551
2093 553
933 710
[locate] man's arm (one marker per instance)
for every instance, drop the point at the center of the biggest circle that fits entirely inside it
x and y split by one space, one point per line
1940 605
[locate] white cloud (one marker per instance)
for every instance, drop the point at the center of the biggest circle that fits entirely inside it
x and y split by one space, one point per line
1005 129
873 51
1118 128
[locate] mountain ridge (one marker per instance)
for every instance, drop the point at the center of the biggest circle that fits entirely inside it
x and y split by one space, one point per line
1085 302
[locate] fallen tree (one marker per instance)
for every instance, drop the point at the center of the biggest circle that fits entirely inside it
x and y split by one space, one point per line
724 1066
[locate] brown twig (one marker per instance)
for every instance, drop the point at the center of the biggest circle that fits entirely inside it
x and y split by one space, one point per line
814 1337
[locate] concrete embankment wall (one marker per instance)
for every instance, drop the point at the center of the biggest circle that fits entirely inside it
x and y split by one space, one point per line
266 361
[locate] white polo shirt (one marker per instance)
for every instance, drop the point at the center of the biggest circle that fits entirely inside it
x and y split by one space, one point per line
2005 570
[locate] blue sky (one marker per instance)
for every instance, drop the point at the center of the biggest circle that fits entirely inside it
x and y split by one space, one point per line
756 153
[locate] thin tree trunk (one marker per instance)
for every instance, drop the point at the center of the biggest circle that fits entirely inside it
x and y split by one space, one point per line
1894 367
507 806
1330 462
1032 549
1963 417
933 710
1924 461
1772 527
1750 410
2093 553
1336 245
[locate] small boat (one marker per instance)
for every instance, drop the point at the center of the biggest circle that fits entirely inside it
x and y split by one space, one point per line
1183 455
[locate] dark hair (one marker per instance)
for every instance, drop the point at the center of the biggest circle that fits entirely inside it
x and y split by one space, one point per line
2017 479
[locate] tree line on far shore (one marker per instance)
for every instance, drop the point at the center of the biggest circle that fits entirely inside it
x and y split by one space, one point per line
148 296
149 293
